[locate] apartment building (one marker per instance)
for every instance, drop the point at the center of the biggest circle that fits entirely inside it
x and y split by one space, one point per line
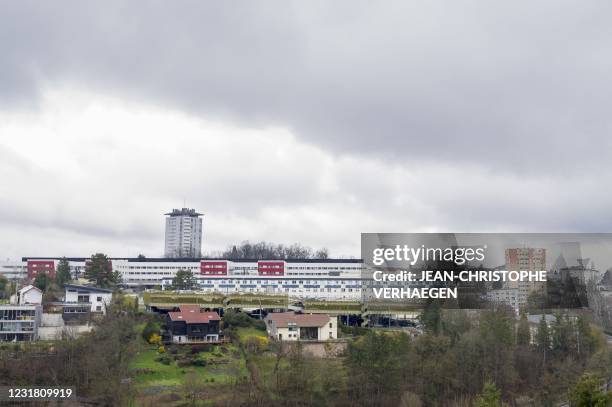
183 237
19 322
525 258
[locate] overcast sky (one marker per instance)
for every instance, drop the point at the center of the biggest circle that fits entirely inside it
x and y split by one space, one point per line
300 121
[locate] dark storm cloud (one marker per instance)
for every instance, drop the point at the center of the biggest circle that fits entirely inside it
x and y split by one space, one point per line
521 87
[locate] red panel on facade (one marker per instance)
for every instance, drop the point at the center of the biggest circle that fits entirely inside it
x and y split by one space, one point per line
213 268
271 268
36 267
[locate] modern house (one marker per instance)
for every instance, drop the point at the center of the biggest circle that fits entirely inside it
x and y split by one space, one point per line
27 295
289 326
19 322
191 325
84 299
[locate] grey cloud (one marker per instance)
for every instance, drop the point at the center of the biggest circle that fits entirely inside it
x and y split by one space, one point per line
516 87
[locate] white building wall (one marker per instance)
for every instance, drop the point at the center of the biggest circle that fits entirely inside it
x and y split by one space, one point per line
99 301
329 330
13 270
308 280
31 296
333 281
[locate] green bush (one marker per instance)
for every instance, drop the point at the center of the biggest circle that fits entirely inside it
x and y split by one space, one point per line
259 324
184 362
233 320
149 329
204 347
198 362
164 359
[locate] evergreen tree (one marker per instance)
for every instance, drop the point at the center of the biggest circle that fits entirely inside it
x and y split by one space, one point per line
490 396
3 286
523 334
184 280
561 335
99 271
431 317
588 393
455 323
42 281
542 338
62 275
373 365
497 333
585 342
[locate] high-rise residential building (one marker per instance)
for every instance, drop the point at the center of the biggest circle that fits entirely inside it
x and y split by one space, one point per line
183 233
528 259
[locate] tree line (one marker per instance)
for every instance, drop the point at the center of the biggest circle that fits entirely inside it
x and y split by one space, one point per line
464 359
271 251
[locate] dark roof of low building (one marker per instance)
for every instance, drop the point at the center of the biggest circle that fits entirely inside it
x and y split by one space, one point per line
88 288
184 212
192 314
283 319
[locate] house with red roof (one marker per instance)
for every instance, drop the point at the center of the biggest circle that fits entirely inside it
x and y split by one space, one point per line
192 325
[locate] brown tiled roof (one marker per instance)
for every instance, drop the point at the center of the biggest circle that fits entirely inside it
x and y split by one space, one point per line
282 319
192 314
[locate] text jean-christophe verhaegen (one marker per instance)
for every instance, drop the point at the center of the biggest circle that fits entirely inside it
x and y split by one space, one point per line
460 256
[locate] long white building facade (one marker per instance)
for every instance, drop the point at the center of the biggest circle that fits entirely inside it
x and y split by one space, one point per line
331 279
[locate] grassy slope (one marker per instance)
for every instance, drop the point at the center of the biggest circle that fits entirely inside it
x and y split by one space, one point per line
173 375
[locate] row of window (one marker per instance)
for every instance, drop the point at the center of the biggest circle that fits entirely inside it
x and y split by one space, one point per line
284 289
280 282
14 315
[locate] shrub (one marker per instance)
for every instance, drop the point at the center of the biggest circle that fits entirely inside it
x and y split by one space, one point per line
198 362
256 344
259 324
149 329
234 319
205 347
161 349
164 359
155 339
184 362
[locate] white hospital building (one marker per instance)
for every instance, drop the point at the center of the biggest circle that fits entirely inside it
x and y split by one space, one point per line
331 279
